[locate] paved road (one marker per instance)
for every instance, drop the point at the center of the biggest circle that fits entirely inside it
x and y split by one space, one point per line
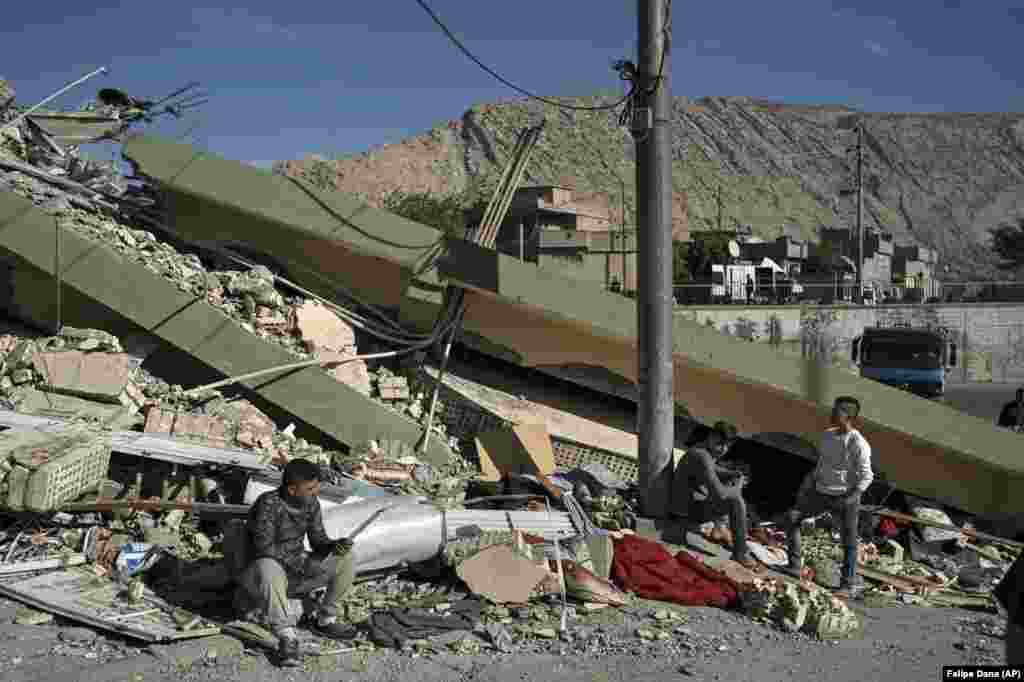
980 400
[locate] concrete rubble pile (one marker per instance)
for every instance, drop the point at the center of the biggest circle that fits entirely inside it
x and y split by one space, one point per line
499 549
129 221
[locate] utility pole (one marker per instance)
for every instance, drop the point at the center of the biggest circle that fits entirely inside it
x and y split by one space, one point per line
860 213
656 413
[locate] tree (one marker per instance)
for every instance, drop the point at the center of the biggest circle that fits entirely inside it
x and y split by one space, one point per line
680 262
706 249
444 212
1008 243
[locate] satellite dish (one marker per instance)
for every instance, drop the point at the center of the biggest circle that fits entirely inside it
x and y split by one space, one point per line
734 248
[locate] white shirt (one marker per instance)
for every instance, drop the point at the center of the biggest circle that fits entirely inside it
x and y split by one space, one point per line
845 463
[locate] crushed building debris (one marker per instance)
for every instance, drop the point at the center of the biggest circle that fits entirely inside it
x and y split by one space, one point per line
123 495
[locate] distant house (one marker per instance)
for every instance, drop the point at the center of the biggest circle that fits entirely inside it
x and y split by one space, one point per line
788 253
574 232
915 268
878 254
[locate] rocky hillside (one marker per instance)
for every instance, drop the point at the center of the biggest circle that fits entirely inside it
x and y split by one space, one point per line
938 180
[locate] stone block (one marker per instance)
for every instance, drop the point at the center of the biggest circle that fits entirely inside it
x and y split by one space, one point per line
99 376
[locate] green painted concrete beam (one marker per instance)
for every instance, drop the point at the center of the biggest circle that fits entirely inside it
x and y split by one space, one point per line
94 271
283 201
927 448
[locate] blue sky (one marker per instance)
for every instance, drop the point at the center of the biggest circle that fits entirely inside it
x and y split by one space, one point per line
293 78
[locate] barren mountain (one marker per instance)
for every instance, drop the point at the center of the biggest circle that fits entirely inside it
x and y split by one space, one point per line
938 180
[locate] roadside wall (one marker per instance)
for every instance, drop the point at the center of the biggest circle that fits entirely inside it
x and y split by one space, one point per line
989 336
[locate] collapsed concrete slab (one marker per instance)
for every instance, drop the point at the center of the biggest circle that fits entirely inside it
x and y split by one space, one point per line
128 293
535 317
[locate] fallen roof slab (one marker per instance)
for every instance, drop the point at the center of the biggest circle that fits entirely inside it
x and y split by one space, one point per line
192 325
74 594
77 128
538 318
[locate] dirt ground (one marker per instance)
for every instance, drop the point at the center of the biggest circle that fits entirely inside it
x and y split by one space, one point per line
906 643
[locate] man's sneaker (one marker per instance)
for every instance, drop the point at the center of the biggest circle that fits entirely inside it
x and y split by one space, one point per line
335 629
289 652
849 590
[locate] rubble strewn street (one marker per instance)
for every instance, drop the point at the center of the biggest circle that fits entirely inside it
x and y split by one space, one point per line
120 563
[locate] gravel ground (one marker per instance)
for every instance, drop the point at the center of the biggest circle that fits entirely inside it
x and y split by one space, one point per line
902 643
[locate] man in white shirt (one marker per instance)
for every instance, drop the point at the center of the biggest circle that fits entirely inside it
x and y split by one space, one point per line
836 484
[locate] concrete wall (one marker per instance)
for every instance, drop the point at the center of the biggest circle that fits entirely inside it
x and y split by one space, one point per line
990 337
596 267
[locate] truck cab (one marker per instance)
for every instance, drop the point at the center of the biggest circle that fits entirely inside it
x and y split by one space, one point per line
915 360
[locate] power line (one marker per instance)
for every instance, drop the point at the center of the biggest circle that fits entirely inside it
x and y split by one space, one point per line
462 48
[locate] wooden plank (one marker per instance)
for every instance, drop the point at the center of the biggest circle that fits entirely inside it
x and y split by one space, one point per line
42 564
896 516
901 582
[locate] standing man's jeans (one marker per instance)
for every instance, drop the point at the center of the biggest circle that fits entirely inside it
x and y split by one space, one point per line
265 583
813 503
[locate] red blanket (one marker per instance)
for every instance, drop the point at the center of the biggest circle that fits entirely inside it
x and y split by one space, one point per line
647 569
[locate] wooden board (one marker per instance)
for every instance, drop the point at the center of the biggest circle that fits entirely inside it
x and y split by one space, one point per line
523 449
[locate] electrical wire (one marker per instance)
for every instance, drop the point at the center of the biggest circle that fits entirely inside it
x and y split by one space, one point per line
462 48
666 33
395 333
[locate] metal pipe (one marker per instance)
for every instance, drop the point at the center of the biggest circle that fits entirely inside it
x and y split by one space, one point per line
655 416
52 97
437 384
317 362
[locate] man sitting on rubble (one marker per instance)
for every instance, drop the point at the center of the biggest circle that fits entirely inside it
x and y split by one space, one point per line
703 496
280 568
836 483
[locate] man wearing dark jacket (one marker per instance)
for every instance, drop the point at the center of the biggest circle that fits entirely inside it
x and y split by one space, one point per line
279 568
1012 414
701 496
1010 593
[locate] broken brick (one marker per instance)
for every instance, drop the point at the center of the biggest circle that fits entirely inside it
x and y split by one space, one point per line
100 376
393 388
321 330
210 429
353 374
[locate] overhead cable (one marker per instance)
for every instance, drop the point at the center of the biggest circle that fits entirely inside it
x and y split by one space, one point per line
462 48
